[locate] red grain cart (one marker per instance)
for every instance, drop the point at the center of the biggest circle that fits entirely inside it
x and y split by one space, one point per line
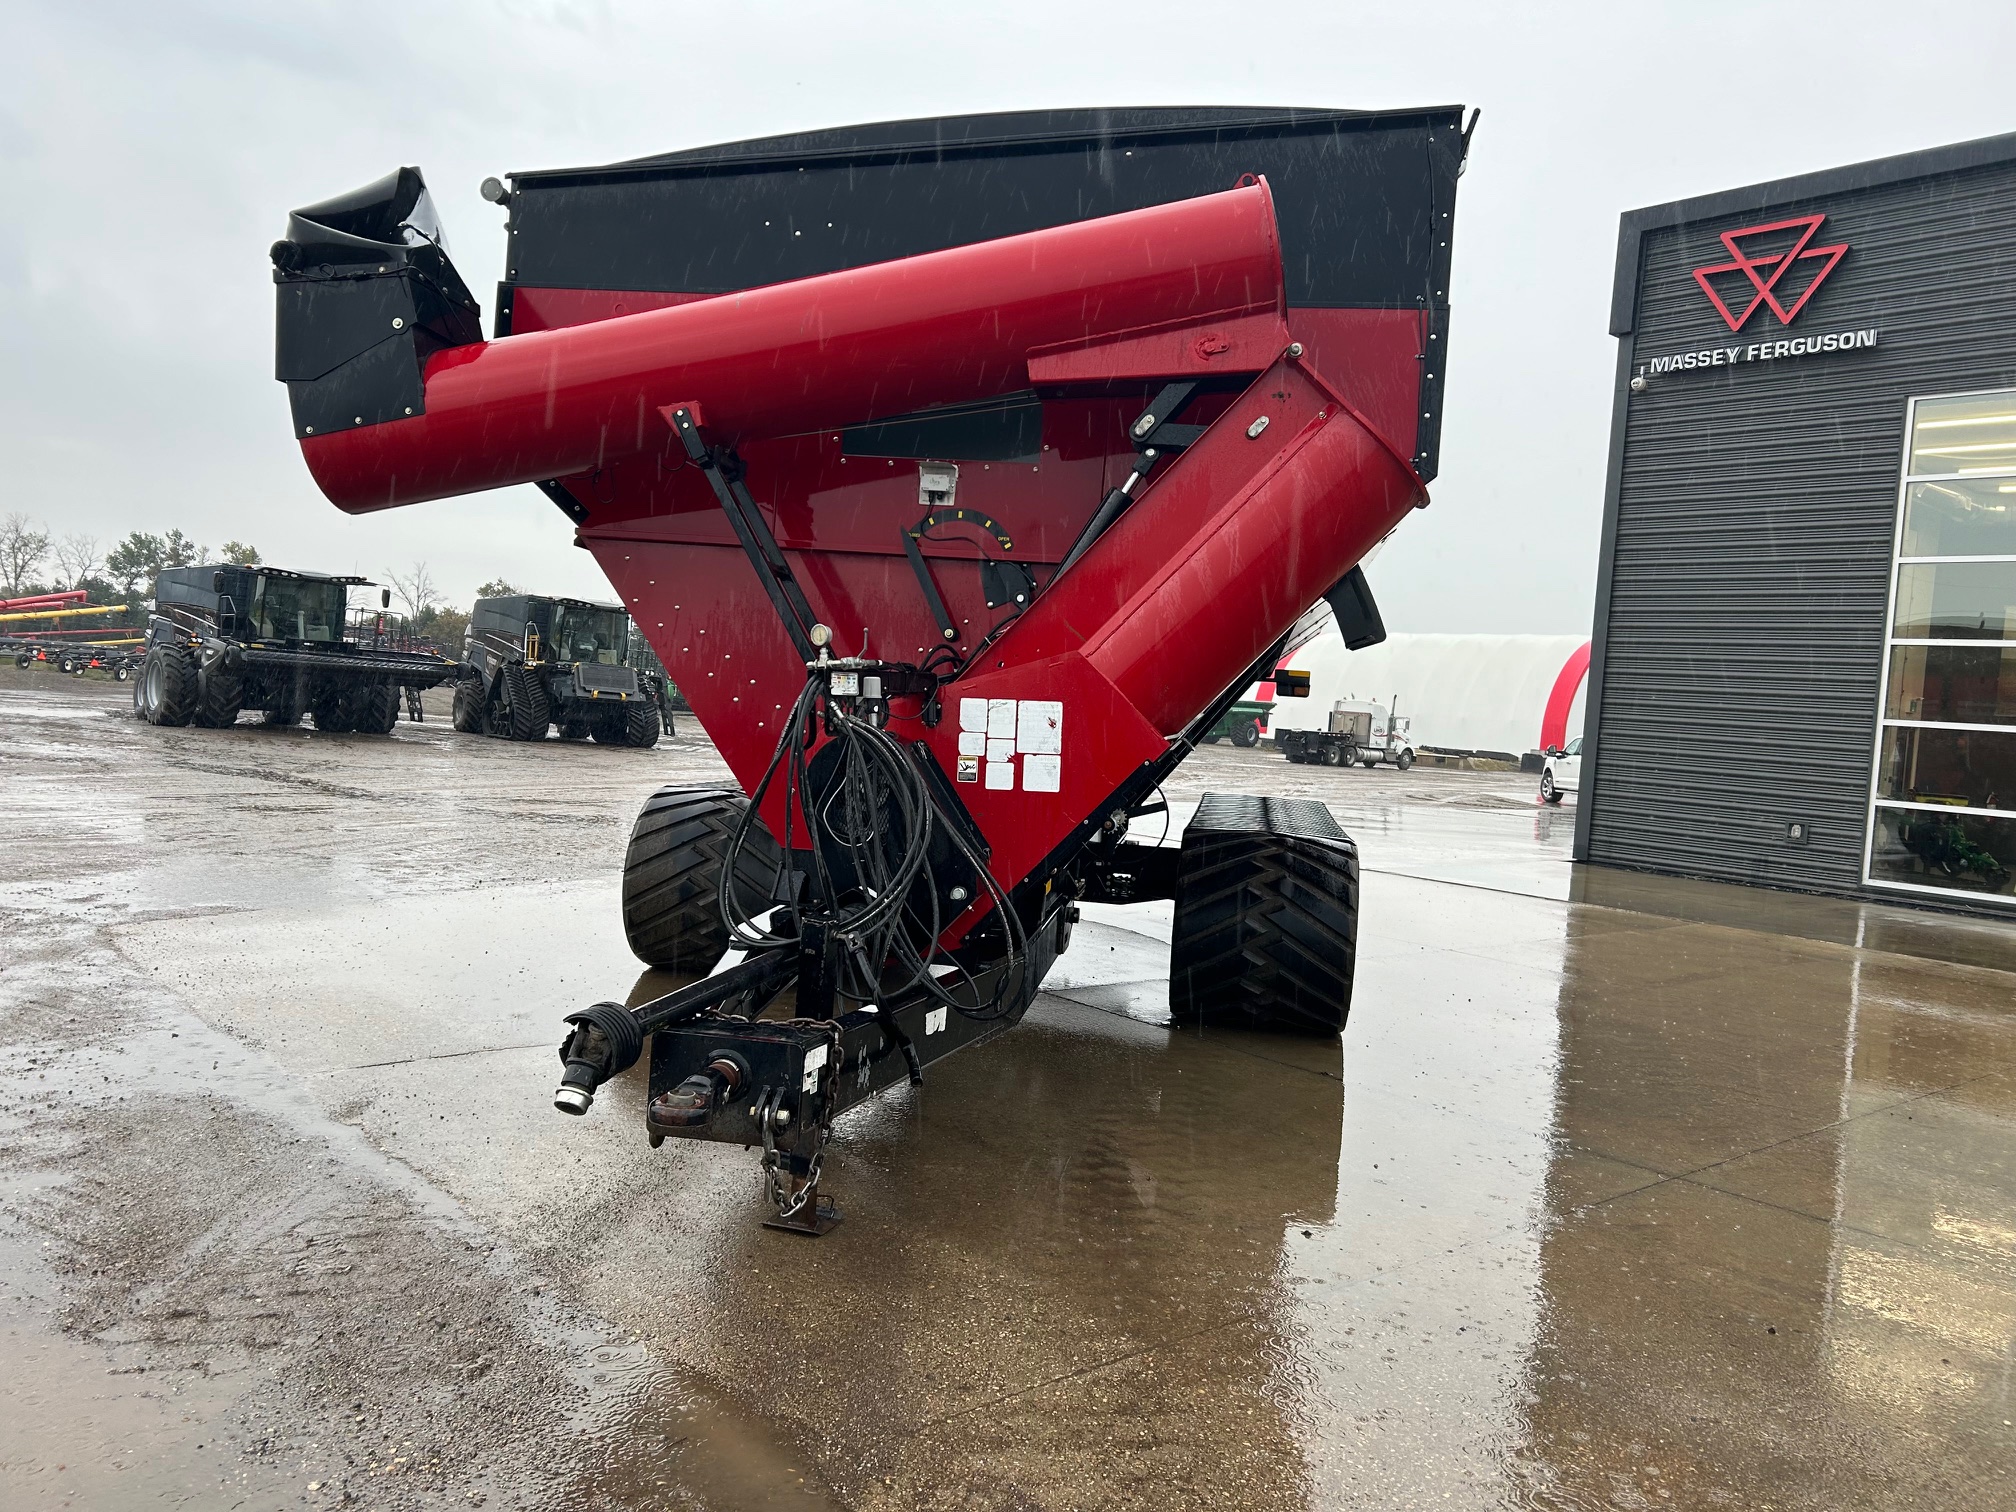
962 473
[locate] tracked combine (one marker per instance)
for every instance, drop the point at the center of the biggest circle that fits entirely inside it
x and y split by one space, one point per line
537 664
963 474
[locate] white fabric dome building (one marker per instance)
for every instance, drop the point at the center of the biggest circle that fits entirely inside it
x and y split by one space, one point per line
1461 692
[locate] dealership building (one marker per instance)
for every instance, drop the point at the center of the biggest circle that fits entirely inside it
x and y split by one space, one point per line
1803 671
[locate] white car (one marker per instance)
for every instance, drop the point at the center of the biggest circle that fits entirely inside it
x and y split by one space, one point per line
1562 771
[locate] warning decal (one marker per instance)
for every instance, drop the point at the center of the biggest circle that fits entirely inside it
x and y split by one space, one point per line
998 734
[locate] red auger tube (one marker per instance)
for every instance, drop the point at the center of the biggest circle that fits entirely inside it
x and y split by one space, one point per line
841 348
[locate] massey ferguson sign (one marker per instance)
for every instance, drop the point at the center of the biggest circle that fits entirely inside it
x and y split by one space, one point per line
1775 268
1774 274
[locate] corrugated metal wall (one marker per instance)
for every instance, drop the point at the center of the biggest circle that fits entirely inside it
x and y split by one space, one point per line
1753 525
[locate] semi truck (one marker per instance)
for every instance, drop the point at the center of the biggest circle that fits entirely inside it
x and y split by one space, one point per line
1358 731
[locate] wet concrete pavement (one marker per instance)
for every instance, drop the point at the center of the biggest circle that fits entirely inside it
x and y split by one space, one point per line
1620 1191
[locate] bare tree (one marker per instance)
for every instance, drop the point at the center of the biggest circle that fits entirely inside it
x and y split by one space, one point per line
23 550
77 559
416 590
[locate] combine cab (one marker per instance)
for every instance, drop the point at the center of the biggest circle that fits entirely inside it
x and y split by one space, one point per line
964 474
223 640
541 663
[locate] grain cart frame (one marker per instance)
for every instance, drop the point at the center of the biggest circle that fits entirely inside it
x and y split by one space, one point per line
224 639
541 662
962 473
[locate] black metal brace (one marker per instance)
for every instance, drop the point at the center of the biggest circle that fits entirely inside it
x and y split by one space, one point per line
723 470
1154 436
947 631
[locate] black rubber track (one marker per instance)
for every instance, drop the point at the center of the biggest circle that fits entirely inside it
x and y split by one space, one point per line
172 698
468 715
1266 929
522 710
672 872
641 726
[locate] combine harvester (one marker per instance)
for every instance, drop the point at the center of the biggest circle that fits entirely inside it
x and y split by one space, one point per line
962 473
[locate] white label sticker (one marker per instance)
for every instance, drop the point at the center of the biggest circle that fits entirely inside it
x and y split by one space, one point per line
1000 750
973 715
972 742
1039 726
1001 718
815 1061
845 684
1042 774
1001 776
969 767
934 1021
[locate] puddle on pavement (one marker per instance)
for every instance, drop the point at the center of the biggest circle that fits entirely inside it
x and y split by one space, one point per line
177 1298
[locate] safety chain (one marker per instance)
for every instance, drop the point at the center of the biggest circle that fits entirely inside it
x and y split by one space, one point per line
789 1205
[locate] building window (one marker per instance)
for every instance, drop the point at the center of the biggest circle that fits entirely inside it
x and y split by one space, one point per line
1942 803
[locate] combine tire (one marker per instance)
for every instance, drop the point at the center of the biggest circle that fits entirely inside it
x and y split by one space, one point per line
522 711
672 872
468 715
220 693
169 685
641 727
1266 917
374 709
331 710
284 707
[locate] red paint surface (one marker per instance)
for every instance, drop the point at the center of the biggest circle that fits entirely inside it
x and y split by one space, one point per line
1214 563
1554 721
1376 359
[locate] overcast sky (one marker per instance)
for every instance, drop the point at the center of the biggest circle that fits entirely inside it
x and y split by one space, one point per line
150 153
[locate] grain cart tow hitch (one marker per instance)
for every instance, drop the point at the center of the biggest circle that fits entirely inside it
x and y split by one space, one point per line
956 542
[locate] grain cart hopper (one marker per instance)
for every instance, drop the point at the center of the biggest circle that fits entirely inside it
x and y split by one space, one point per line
962 473
540 662
224 639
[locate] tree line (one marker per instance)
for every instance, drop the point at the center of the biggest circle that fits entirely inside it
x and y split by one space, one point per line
32 560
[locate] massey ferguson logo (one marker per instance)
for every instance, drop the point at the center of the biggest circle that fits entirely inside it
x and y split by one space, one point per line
1768 270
